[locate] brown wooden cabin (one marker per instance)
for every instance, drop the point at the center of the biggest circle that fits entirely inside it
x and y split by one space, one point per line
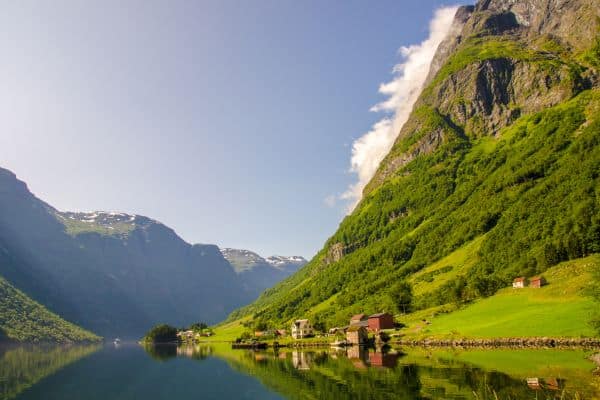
381 321
357 335
537 282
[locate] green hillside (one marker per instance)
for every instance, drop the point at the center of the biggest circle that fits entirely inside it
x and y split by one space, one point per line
495 175
24 320
559 309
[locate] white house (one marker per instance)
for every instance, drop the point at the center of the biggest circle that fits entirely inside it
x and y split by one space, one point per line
519 282
301 328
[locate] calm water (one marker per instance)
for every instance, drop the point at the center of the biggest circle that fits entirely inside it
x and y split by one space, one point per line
216 372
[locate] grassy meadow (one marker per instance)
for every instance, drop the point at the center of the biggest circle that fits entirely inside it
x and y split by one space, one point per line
559 309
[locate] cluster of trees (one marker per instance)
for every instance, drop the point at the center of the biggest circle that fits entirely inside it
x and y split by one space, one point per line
162 333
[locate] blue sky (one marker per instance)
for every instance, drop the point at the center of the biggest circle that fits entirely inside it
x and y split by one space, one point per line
229 121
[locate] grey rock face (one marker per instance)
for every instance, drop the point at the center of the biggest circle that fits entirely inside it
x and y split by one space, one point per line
490 92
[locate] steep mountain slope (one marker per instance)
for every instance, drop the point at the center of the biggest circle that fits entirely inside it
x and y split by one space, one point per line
24 320
494 175
257 273
115 274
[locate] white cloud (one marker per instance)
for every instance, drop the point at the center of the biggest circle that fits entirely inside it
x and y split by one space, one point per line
402 91
330 200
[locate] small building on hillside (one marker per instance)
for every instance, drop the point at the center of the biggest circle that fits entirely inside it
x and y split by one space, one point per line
520 282
301 329
380 321
359 319
357 335
186 335
537 282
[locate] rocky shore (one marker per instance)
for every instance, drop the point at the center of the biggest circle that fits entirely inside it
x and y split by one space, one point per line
503 342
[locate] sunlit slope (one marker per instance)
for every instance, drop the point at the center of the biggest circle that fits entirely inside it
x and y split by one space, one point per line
559 309
494 175
507 206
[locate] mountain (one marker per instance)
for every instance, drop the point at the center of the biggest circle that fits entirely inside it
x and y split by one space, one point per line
257 273
111 273
24 320
494 175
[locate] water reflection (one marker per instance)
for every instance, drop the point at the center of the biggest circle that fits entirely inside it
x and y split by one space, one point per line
23 366
216 372
359 372
164 352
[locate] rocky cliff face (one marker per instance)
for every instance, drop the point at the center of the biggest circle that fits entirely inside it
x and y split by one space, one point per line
502 59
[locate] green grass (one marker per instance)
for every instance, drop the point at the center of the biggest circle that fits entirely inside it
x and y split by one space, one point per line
559 309
227 332
75 227
429 279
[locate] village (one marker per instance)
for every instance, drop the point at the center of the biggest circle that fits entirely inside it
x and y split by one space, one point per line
361 330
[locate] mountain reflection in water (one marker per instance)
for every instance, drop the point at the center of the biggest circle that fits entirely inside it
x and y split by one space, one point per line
215 371
416 373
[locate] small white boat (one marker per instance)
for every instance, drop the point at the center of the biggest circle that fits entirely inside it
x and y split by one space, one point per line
117 341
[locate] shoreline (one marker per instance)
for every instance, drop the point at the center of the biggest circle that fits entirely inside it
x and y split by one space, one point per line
532 342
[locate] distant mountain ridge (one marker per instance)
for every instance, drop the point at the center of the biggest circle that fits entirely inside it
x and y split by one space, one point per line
116 273
258 273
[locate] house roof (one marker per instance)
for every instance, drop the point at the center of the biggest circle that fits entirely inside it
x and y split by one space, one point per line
519 279
378 315
358 317
537 278
301 323
355 328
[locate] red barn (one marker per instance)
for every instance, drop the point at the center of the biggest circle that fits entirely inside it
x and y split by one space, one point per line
537 282
380 321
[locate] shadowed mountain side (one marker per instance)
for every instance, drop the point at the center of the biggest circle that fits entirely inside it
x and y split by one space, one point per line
115 274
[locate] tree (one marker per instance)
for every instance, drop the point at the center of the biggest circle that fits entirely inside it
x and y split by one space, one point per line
402 296
198 326
459 289
162 334
261 325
